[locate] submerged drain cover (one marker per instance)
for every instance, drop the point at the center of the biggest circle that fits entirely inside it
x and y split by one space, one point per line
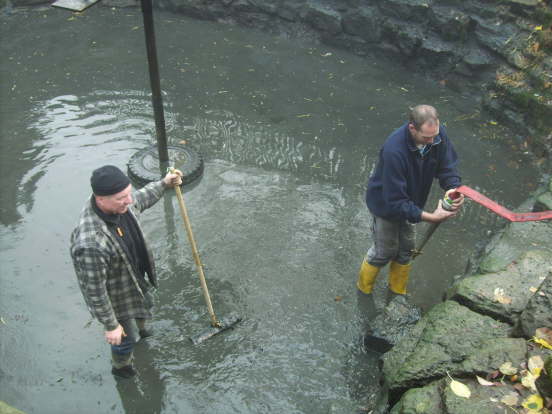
143 167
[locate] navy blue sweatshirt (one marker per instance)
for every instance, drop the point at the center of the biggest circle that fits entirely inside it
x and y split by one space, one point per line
399 187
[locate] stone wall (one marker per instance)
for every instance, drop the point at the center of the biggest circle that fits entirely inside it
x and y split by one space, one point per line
499 49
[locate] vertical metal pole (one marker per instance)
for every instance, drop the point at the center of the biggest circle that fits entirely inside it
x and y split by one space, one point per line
156 98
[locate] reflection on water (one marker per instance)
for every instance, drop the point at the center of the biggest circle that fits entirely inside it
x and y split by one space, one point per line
290 132
146 393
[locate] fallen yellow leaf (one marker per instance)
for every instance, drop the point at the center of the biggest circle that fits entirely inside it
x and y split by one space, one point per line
460 389
542 342
528 381
533 403
538 28
535 364
484 382
508 369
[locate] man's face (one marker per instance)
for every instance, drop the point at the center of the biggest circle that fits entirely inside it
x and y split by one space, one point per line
426 134
116 203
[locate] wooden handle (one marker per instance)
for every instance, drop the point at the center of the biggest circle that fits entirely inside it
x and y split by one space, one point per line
195 254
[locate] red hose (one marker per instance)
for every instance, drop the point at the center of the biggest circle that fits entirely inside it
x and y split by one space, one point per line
502 211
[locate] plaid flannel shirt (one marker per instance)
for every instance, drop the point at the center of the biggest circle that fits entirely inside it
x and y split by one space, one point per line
106 277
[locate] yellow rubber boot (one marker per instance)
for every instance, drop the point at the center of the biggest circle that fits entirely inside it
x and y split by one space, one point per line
398 277
367 277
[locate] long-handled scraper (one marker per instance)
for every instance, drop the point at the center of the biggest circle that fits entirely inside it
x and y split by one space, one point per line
217 326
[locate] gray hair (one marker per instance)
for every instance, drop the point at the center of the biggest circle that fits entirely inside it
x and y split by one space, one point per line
421 114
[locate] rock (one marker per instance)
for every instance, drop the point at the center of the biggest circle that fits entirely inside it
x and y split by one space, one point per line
477 58
406 10
406 38
504 294
322 18
513 241
544 381
424 400
492 353
451 23
438 398
482 400
435 52
494 34
544 202
394 322
449 338
538 312
363 23
197 9
525 2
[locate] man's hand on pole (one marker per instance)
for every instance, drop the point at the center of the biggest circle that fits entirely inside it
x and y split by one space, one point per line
173 178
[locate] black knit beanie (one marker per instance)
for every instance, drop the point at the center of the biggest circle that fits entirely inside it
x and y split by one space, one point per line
108 180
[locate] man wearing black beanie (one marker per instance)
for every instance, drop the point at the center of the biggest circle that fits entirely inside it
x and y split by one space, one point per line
112 259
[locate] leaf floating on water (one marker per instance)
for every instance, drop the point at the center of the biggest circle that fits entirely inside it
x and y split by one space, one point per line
135 28
183 142
338 298
460 389
534 403
508 369
3 321
326 54
510 399
484 382
304 116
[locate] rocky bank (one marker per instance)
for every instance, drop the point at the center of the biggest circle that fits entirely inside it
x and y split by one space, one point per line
490 318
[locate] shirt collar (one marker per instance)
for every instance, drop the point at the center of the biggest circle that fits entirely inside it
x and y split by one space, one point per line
412 146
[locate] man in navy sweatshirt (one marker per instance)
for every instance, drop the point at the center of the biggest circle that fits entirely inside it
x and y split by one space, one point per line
410 159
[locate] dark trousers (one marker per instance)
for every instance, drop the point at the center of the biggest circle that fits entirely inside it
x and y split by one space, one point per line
122 355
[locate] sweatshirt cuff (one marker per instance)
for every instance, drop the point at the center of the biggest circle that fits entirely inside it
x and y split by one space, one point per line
111 325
